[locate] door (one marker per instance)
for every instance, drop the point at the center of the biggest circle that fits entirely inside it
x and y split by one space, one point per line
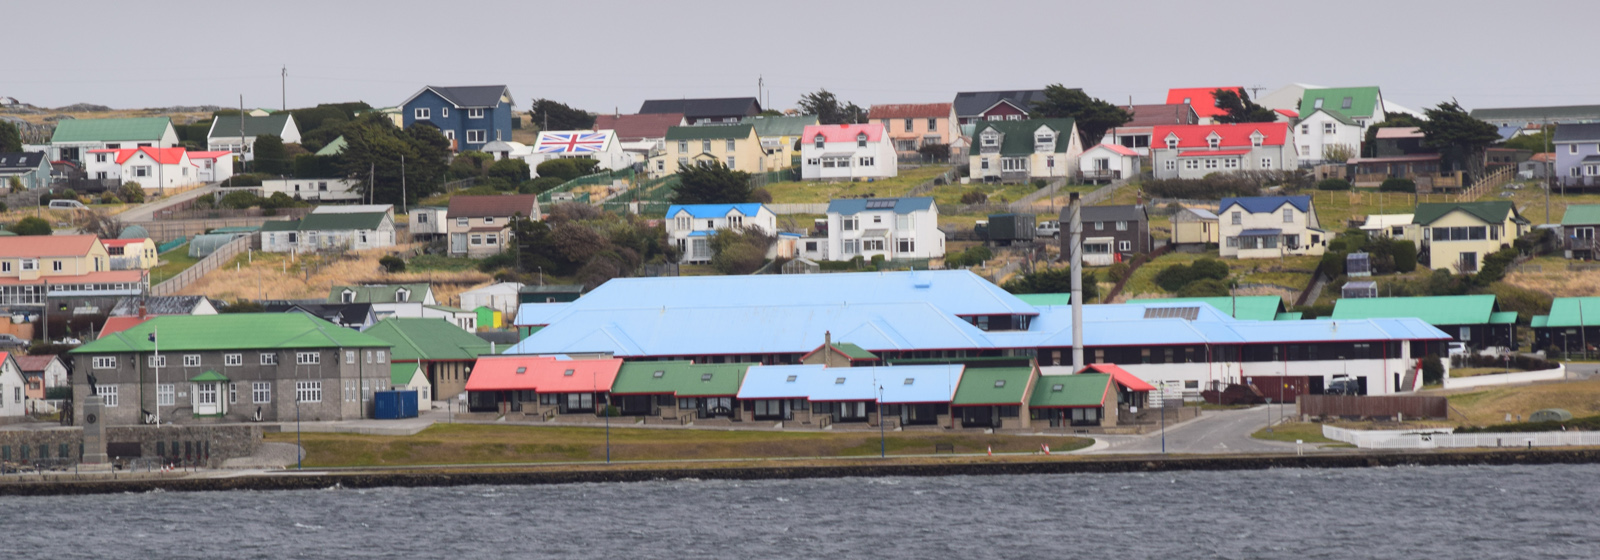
458 243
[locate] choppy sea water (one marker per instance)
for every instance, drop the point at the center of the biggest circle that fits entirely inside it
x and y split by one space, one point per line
1434 512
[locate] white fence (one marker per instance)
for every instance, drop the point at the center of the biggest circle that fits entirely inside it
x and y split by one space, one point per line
1491 379
1444 438
799 208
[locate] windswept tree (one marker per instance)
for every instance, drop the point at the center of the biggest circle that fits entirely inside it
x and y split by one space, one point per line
711 184
1238 108
10 138
555 115
1093 116
1459 138
826 106
372 159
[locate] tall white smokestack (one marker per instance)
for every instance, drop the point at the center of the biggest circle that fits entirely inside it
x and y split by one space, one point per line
1075 240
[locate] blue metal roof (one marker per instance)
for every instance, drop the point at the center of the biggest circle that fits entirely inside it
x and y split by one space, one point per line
710 211
917 383
849 206
772 382
538 314
1260 232
1265 204
929 383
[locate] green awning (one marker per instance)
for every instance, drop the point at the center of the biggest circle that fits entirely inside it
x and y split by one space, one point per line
210 376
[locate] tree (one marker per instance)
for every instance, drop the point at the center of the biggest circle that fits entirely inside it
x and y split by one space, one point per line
15 183
1337 153
566 169
539 185
1460 138
825 105
1053 281
1369 147
1094 117
242 306
374 144
1405 255
1238 108
132 193
554 115
739 251
270 156
513 170
1538 142
10 138
935 152
31 225
102 226
711 184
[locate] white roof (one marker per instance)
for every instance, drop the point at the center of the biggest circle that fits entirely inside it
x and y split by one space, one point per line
1380 221
353 209
501 288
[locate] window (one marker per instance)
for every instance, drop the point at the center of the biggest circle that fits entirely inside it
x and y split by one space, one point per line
156 361
1288 215
233 393
866 162
269 359
29 264
476 113
729 147
261 392
705 146
861 140
730 162
1171 165
683 146
477 239
1172 143
933 125
991 139
478 136
382 356
1122 225
191 360
1346 103
1099 226
1572 149
1211 164
818 141
1305 129
491 239
105 362
108 394
308 391
444 112
907 245
908 125
165 394
851 223
984 164
1328 128
1266 163
1238 218
55 266
307 358
1191 164
350 357
872 245
421 114
852 246
903 222
1124 245
1214 141
1230 163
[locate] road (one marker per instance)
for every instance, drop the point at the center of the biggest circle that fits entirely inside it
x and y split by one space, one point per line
146 212
1215 431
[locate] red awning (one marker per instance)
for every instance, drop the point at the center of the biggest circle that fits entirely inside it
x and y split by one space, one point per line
1119 375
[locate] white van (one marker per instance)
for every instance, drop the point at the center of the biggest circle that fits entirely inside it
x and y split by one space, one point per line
67 205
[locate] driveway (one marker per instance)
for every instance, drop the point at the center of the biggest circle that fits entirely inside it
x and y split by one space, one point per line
1215 431
146 212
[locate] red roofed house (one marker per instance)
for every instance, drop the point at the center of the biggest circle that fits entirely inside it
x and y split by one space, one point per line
1136 133
640 133
846 151
540 386
480 226
914 125
1108 162
1205 105
150 167
1194 151
42 372
131 254
213 166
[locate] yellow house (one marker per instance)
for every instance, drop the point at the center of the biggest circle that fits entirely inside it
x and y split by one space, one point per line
130 254
31 257
1457 236
1196 226
780 138
736 146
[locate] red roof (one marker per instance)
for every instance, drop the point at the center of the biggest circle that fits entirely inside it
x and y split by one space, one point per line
543 374
494 205
1119 375
1546 156
165 156
209 155
632 128
33 363
1118 148
122 242
115 325
1213 153
910 111
1204 104
842 132
36 246
102 277
1232 135
1288 113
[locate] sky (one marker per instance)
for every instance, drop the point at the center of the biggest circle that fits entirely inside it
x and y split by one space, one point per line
606 56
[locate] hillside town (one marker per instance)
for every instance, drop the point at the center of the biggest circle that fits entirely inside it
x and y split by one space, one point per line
186 285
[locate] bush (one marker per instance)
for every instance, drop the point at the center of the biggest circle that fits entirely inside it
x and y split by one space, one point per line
132 192
239 200
1494 267
1039 183
1333 184
506 259
761 195
566 169
1405 255
245 180
1118 271
974 197
1053 281
513 170
392 263
1432 370
110 198
1397 184
1174 278
31 225
540 185
1209 268
1209 287
1333 263
1214 186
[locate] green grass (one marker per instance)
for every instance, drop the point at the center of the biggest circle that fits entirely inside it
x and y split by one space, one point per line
949 196
1530 202
440 262
1143 280
1290 431
821 191
489 444
172 263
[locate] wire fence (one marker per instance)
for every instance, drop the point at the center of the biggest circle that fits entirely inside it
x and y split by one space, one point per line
601 178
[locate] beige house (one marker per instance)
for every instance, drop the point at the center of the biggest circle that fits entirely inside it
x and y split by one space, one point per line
1017 151
1457 235
1269 227
736 146
914 125
1194 226
780 138
31 257
130 254
480 226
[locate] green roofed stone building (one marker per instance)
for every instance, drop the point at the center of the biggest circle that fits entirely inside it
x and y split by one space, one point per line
1474 320
445 352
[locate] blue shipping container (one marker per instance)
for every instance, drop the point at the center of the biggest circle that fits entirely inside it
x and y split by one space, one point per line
392 405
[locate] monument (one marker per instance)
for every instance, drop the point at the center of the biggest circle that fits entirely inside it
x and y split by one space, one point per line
94 430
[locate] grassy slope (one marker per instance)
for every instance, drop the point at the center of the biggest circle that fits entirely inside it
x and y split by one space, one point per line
172 263
1289 272
821 191
1490 406
268 276
477 443
1290 431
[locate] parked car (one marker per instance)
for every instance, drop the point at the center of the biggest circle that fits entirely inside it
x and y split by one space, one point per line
1344 386
1457 349
11 341
67 205
1048 228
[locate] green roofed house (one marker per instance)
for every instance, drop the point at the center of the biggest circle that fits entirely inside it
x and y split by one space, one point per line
226 132
74 138
1572 325
1250 308
994 397
403 300
664 390
735 146
334 148
1085 399
1577 230
330 227
1474 320
1020 151
839 354
444 351
779 137
236 367
408 376
1458 235
1336 117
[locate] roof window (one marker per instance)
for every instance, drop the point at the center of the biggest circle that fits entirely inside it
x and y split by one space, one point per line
910 380
1057 387
567 373
880 204
1346 103
522 370
838 381
658 374
790 379
705 377
1317 104
1000 383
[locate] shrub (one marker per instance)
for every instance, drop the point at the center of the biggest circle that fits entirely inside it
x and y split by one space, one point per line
58 393
540 185
1432 370
1118 271
513 170
495 262
1338 246
110 198
392 263
566 169
1494 267
1209 268
974 197
31 225
244 180
4 208
1208 287
1333 263
1398 184
240 199
761 195
1405 255
132 192
1174 278
1039 183
1333 184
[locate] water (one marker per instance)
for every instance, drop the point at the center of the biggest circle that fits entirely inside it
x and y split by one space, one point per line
1436 512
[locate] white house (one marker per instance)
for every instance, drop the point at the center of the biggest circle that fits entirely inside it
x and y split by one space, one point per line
500 297
13 388
1018 151
428 221
322 189
212 167
896 228
354 228
409 376
226 129
150 167
1269 227
847 151
74 138
690 226
1108 162
598 145
403 300
1325 128
1194 151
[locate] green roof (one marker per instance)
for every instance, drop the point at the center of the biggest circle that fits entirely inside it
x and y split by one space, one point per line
978 386
1539 321
228 125
1046 299
342 221
1017 139
1574 311
446 308
1581 215
333 148
1363 100
383 293
1435 310
1503 318
854 352
111 130
232 331
428 339
1250 308
735 132
780 126
681 378
209 376
1490 211
1290 316
1338 116
280 225
1084 389
400 373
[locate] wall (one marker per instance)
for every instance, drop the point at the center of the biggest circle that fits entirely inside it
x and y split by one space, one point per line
1489 380
223 441
1445 438
1373 407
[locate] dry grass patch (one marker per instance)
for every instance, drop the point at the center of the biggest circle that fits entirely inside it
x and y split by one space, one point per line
1549 275
1481 408
280 276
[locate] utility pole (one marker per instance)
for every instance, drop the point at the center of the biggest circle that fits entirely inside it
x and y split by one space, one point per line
1255 91
283 89
371 176
241 132
1546 168
402 183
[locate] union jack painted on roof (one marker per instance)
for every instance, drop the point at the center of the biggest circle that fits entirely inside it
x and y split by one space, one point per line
572 142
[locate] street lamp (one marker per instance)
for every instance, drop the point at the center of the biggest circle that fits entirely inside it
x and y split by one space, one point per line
883 445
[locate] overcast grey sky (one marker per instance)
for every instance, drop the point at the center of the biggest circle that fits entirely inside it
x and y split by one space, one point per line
603 55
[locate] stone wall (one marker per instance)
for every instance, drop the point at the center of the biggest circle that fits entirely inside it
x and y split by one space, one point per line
206 445
39 444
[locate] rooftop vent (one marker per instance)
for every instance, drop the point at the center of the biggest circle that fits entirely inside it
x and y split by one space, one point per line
910 380
838 381
705 377
790 379
522 370
1057 387
1000 383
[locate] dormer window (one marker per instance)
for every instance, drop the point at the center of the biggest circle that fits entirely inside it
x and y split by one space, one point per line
991 139
402 295
861 140
1256 138
819 140
347 296
1172 142
1214 141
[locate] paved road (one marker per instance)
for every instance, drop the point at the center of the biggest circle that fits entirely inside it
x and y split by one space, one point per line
1577 370
1215 431
146 212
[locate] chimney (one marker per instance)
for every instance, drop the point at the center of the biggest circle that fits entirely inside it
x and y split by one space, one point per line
1139 200
141 310
827 348
1075 230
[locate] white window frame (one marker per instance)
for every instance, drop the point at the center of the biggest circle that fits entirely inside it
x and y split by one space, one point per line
108 395
269 358
475 112
260 392
166 394
105 362
233 393
421 114
1288 215
477 136
191 360
155 361
1124 245
308 391
307 358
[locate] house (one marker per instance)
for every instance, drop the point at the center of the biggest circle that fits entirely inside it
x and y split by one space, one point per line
503 297
690 226
358 316
163 305
315 189
444 353
994 398
1109 163
1202 100
405 301
409 376
1195 226
1427 171
914 125
1456 236
847 152
1475 320
232 368
839 354
1018 151
1393 226
541 386
1262 227
696 112
893 228
1570 327
1286 98
1522 117
735 146
228 133
468 116
1328 136
75 267
1392 141
1194 151
131 254
74 138
31 169
1110 233
152 168
1577 230
640 135
13 388
671 388
549 293
428 222
1337 117
480 226
1015 105
214 167
332 227
1578 155
1135 134
780 137
599 145
41 373
1539 166
1081 400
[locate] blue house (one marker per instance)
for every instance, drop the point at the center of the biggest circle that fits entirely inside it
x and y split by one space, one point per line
470 116
1578 155
31 168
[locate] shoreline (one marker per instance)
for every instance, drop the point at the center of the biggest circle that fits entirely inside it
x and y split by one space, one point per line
495 475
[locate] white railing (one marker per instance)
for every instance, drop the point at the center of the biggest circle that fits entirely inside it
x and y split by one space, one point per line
1490 379
1445 438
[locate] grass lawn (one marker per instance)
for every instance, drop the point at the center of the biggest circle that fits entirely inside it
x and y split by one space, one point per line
1143 280
822 191
1309 432
1549 275
949 196
478 444
172 263
1490 406
1530 202
1336 208
1476 371
440 262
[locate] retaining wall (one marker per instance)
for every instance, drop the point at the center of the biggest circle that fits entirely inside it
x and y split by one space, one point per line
1492 379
